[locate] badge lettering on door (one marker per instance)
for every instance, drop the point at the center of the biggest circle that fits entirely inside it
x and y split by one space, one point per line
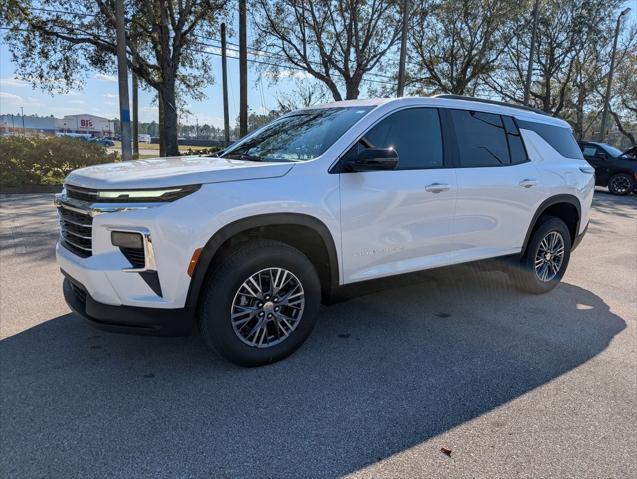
372 252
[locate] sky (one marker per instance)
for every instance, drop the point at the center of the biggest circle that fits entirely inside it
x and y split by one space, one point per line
99 95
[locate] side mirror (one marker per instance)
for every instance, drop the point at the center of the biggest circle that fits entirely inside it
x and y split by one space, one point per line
374 159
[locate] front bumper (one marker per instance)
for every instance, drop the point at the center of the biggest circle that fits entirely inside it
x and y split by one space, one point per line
127 319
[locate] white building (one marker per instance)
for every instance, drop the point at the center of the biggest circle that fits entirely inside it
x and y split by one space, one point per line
84 123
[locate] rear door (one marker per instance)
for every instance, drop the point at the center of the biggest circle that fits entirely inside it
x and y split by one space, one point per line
498 187
398 221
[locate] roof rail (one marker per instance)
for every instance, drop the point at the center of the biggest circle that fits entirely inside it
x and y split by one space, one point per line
491 102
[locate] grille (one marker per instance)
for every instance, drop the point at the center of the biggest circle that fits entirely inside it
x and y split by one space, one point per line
75 231
134 256
83 194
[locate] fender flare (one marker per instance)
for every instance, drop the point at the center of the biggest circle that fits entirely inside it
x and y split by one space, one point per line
244 224
553 200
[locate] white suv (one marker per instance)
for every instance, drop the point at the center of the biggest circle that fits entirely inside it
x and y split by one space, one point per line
245 246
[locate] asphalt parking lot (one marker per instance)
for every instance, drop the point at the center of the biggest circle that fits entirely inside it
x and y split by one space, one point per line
513 385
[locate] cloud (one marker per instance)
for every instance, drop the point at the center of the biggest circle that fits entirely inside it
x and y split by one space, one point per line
110 95
295 74
13 82
14 100
103 77
10 97
77 102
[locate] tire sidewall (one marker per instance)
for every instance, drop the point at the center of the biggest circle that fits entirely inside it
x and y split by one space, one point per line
630 182
535 284
215 314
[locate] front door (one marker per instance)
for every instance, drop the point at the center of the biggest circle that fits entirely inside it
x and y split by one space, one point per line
398 221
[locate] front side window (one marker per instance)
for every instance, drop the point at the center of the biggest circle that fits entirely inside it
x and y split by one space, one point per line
414 133
300 136
481 138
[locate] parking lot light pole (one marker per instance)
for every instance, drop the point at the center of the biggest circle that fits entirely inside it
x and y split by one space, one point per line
122 76
602 131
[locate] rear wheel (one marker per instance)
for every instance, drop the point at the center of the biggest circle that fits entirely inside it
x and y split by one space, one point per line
620 184
546 257
260 304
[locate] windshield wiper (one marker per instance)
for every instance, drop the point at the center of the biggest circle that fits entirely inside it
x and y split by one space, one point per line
243 156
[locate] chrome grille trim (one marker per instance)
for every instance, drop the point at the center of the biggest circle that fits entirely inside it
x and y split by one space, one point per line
75 213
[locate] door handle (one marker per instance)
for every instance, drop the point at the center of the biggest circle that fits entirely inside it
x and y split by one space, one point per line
528 183
436 187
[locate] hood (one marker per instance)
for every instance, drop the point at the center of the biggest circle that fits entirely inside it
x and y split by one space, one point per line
173 171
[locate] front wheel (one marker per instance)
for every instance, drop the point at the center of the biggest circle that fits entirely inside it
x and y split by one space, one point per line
546 257
260 304
620 184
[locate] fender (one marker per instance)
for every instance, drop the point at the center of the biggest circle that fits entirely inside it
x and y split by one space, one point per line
231 229
553 200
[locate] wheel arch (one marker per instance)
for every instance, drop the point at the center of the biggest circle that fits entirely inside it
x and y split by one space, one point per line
278 226
564 206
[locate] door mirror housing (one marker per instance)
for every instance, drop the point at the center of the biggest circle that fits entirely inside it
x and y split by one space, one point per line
374 159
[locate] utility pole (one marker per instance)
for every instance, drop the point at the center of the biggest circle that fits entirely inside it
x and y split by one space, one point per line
135 126
529 68
224 73
403 51
24 130
122 76
602 131
243 70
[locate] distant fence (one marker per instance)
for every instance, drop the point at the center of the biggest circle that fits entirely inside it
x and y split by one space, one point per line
192 142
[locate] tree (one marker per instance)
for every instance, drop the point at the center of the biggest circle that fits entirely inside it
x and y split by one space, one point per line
337 42
303 95
55 43
456 43
565 28
623 108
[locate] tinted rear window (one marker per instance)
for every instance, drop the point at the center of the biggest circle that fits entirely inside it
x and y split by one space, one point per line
561 139
481 139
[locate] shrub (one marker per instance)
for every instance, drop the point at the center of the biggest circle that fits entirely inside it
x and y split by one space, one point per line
46 160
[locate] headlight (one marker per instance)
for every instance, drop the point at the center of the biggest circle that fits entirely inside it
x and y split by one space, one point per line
145 196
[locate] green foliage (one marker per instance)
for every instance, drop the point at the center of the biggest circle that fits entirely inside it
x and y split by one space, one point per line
46 160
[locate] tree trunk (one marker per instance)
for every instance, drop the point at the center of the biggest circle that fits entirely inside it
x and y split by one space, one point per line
162 136
579 113
168 110
351 90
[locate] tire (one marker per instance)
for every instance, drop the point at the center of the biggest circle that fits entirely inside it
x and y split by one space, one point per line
620 184
229 311
542 280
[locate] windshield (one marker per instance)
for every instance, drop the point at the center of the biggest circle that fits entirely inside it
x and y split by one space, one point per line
300 136
611 149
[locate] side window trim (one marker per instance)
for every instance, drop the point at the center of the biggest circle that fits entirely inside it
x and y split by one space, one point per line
337 167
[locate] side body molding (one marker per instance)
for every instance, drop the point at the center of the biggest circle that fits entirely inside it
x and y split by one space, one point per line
251 222
553 200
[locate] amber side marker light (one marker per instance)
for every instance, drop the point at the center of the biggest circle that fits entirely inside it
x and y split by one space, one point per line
193 261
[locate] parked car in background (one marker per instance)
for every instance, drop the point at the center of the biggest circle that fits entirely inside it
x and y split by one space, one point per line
614 169
143 138
105 142
630 153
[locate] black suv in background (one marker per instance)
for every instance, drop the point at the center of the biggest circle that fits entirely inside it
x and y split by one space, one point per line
613 168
